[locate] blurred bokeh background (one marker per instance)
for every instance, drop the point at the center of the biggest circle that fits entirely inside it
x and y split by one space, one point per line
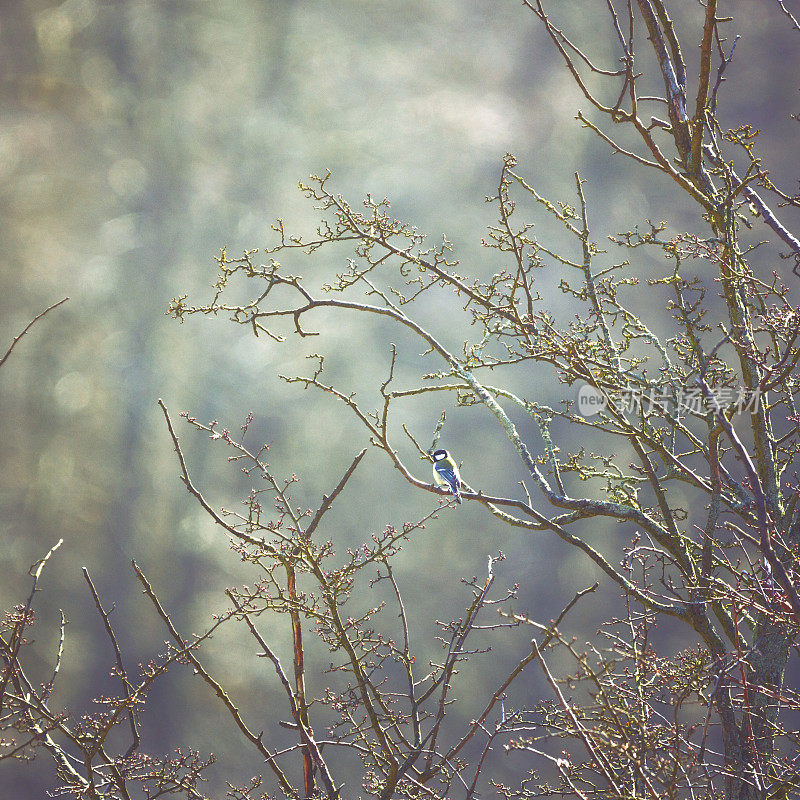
138 138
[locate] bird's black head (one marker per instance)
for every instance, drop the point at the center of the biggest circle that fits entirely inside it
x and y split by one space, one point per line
438 455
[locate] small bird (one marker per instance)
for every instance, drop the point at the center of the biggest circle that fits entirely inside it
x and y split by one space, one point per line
445 473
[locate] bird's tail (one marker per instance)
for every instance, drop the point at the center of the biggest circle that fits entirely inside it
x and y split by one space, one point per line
456 494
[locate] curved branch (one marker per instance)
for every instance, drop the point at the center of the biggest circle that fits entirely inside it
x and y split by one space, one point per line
28 327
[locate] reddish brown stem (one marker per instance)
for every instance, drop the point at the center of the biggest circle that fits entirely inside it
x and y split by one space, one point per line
299 676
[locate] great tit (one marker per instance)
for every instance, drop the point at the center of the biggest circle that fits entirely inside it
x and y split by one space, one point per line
445 473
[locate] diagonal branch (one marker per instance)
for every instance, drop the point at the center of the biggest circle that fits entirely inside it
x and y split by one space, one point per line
28 327
123 675
765 539
209 509
327 500
302 725
254 739
698 122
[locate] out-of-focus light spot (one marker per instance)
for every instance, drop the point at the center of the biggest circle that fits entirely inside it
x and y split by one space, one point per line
98 73
249 225
114 348
99 276
14 551
127 177
32 192
80 12
9 155
56 466
477 122
73 392
53 30
119 234
197 532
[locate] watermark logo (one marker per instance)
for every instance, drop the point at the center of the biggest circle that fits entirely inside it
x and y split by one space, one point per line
590 401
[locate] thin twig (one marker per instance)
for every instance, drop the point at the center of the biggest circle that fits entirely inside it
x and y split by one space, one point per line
215 685
123 675
28 327
297 711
